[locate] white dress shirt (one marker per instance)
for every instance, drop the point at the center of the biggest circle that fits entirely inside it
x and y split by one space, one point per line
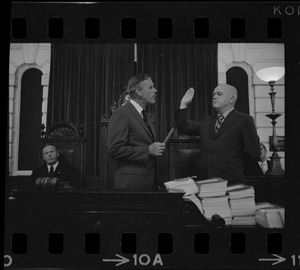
54 166
263 165
138 107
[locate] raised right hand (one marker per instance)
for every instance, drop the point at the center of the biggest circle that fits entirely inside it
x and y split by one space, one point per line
187 98
157 148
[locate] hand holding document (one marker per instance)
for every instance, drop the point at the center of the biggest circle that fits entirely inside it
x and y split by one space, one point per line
157 148
169 135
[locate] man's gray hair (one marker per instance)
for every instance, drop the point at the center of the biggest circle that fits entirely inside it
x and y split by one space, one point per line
134 83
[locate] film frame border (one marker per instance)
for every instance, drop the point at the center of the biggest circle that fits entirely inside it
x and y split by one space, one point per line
145 24
287 12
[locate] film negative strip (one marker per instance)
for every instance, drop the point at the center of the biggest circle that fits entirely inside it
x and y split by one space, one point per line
95 227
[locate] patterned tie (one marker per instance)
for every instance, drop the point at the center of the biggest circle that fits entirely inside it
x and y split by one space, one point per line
147 122
51 173
220 120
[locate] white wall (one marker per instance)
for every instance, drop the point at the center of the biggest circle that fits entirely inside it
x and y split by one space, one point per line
253 57
22 57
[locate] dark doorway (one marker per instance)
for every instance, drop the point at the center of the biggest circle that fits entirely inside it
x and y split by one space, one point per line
30 118
238 78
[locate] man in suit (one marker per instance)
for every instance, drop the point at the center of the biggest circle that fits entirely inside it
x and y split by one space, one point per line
53 168
131 138
258 168
224 137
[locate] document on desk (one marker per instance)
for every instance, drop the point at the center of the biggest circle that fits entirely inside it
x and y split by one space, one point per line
169 135
193 198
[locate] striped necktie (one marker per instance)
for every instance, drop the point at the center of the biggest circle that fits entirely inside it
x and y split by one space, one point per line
219 122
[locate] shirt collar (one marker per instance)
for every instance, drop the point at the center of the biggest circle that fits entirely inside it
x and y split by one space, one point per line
227 112
138 107
54 166
264 162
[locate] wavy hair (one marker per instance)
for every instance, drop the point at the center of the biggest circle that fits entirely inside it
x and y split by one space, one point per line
134 83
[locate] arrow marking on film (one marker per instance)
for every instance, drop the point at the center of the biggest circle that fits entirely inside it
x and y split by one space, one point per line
279 259
120 261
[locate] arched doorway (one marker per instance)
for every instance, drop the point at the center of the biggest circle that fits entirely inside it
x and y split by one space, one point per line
30 118
238 78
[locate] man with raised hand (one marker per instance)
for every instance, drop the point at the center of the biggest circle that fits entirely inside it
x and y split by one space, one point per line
224 137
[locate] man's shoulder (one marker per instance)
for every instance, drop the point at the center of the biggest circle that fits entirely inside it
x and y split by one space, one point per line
241 114
41 167
64 165
124 109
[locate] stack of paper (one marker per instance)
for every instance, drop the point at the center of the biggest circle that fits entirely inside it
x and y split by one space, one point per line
217 205
188 187
194 199
182 185
239 191
212 193
244 220
212 187
263 205
242 204
269 215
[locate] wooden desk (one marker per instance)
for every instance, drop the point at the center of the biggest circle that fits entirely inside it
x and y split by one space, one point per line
74 213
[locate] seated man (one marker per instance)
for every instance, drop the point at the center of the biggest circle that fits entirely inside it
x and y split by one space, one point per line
54 173
254 168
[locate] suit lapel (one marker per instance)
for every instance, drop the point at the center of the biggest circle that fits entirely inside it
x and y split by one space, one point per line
139 118
58 169
212 124
45 169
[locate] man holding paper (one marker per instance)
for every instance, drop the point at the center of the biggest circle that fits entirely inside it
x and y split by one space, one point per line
224 137
132 140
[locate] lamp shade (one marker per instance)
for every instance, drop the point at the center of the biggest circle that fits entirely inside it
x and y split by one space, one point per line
270 74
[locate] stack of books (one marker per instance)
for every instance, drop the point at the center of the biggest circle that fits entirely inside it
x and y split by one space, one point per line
269 215
246 220
212 193
217 205
212 187
182 185
242 204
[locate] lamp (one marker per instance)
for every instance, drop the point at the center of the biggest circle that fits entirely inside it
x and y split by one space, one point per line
271 75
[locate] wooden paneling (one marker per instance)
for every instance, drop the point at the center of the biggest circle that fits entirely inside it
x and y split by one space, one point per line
183 157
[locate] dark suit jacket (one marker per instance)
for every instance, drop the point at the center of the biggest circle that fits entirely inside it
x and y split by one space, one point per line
63 172
252 167
128 144
221 154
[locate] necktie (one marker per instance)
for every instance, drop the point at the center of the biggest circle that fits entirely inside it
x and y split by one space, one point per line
219 122
51 173
147 122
